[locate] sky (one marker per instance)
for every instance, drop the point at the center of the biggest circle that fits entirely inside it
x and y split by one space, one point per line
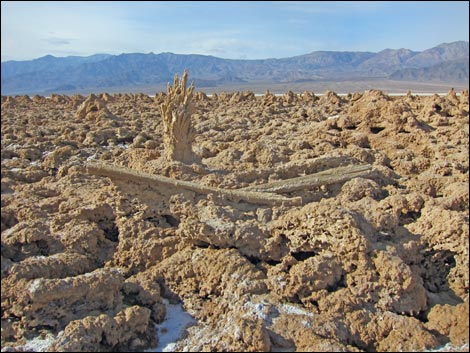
226 29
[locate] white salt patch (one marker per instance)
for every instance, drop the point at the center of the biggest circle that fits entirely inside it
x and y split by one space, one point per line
260 310
418 94
14 146
120 145
93 157
41 257
89 274
173 328
449 347
294 310
170 347
39 344
35 285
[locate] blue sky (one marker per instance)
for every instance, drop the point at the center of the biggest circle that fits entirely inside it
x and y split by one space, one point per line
236 30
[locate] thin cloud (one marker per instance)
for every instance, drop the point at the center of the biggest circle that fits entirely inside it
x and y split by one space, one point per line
58 41
297 20
330 7
221 46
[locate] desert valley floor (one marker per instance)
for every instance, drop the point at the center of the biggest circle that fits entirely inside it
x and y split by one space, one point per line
378 262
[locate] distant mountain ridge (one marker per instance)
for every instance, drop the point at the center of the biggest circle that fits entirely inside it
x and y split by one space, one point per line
446 62
452 70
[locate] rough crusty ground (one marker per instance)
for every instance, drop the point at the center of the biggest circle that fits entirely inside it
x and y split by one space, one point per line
372 264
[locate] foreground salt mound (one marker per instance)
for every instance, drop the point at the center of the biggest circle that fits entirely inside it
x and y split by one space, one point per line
375 263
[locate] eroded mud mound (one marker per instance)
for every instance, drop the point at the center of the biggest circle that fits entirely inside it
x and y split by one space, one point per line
375 263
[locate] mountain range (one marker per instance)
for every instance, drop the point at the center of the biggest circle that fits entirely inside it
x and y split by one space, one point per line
447 62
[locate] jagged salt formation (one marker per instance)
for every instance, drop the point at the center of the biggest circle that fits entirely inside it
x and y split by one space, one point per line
176 111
